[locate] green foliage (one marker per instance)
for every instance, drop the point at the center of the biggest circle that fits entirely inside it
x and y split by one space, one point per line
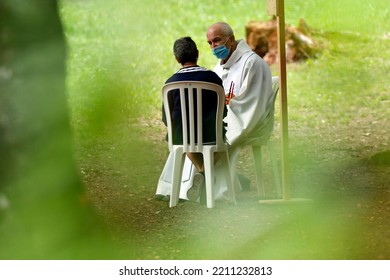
43 210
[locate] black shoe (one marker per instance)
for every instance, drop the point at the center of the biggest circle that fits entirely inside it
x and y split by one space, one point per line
159 197
165 198
197 187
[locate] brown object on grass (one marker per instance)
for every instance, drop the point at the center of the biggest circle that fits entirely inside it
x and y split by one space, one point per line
262 37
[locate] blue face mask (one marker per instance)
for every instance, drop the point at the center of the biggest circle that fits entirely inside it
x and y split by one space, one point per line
221 52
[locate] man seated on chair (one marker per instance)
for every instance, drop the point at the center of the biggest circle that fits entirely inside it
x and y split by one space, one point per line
186 53
247 80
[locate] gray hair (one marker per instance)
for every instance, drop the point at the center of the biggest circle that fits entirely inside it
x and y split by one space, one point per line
225 28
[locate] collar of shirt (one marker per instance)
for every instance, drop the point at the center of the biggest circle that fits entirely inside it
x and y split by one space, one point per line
191 69
242 48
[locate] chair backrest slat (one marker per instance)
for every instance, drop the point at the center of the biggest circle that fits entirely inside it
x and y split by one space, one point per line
183 116
191 113
199 115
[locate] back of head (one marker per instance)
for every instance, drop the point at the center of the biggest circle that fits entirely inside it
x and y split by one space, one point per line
185 50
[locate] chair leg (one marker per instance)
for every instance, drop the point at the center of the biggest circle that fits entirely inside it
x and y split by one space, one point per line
208 159
258 169
233 156
178 162
275 168
236 182
228 177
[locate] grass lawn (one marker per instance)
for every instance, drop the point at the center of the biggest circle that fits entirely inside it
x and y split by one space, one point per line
120 54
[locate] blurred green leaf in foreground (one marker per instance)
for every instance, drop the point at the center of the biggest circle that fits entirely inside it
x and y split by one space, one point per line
43 212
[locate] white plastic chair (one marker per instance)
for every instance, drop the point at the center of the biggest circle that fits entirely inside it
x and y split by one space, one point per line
193 142
257 154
